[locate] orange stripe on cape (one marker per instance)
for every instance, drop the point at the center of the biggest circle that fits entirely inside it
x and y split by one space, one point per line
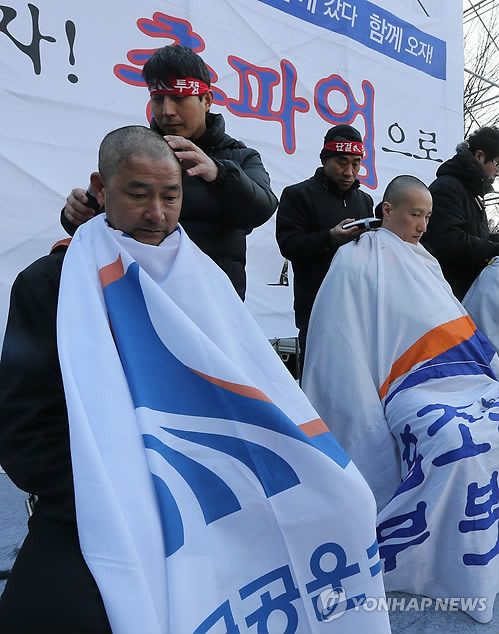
61 243
314 427
310 429
237 388
429 346
111 272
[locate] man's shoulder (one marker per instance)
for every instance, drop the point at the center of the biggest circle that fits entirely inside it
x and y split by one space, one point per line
461 173
364 196
231 148
45 270
216 138
354 258
447 182
447 177
230 143
314 183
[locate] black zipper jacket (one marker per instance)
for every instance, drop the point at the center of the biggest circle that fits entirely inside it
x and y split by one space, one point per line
306 213
458 233
218 216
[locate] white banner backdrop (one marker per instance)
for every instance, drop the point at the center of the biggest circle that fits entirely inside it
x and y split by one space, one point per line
284 72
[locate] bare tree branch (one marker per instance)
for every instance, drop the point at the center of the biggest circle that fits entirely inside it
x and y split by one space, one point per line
481 54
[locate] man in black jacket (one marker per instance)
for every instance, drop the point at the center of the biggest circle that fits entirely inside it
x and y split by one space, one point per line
226 188
458 234
311 216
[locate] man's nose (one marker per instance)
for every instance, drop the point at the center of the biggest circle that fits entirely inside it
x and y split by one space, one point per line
422 225
348 171
155 210
169 106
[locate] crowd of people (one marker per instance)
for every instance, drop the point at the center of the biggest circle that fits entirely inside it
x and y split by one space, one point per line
167 452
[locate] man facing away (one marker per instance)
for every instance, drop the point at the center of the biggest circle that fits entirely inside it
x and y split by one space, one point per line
312 213
400 374
226 188
459 235
167 452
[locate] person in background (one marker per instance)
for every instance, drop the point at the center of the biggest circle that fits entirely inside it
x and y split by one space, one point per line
459 235
227 191
407 384
312 213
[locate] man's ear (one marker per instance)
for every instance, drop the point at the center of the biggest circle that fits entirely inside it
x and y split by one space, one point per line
480 156
208 99
386 208
97 187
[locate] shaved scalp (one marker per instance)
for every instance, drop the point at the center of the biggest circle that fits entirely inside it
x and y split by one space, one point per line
397 188
122 144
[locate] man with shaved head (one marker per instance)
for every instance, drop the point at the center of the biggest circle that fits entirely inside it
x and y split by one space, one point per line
166 451
406 208
142 190
139 181
402 377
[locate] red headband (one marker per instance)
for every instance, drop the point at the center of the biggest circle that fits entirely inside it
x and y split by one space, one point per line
181 86
345 147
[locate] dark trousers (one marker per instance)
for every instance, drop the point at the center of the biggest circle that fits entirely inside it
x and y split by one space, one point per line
50 588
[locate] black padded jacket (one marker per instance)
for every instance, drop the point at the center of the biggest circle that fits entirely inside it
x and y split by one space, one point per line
307 211
458 233
218 216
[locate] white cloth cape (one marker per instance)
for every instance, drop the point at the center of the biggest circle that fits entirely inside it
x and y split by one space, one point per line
396 369
482 302
208 494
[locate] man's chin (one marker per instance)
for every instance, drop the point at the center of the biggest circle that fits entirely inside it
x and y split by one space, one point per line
173 130
345 185
149 237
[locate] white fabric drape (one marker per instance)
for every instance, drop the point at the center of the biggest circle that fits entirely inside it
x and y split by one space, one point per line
397 370
207 491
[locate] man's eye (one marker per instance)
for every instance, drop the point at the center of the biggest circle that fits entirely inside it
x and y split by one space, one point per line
170 199
136 196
